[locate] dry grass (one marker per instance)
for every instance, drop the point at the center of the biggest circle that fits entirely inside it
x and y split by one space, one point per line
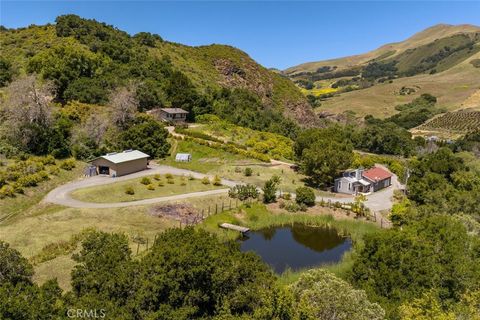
30 234
456 88
59 268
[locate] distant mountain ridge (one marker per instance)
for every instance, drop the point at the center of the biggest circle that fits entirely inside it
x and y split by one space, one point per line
443 60
421 38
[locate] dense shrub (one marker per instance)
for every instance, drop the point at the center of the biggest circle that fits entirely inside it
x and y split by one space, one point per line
68 164
243 192
129 190
7 191
145 181
305 195
217 181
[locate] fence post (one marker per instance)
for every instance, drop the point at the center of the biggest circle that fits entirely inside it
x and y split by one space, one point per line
138 246
216 208
202 213
209 210
223 207
230 205
147 245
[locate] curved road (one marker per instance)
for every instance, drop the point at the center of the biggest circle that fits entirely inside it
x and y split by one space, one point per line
61 194
376 202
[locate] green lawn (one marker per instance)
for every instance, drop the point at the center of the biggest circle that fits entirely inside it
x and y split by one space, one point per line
116 192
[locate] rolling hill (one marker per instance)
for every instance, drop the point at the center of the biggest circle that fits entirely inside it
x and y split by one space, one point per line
443 60
87 59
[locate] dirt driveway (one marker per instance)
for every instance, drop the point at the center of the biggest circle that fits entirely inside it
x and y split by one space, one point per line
378 201
61 195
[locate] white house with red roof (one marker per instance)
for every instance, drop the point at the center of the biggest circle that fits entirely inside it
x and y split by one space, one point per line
363 181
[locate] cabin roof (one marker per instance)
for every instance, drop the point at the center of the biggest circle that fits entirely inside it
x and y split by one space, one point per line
174 110
376 174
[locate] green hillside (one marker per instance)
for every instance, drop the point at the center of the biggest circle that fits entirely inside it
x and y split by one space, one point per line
439 60
86 60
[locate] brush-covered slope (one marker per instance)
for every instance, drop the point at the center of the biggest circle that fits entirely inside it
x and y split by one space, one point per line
87 59
442 60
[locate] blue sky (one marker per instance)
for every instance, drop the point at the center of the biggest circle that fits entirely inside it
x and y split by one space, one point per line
276 34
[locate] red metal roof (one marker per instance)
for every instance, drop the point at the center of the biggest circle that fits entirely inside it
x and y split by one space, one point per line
377 174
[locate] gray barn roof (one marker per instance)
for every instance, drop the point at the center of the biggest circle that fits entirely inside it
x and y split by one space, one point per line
125 156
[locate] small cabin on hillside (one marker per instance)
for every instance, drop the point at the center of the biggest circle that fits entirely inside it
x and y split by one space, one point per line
117 164
176 115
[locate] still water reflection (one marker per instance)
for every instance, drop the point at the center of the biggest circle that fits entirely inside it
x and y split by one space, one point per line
296 246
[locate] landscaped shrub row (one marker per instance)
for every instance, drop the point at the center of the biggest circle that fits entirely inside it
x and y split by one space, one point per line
204 136
21 174
196 134
228 148
275 145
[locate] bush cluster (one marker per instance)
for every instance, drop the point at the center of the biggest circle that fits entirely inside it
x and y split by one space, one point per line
29 172
305 196
228 148
145 181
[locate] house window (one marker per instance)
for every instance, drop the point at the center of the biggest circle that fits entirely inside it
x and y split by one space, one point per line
339 184
349 186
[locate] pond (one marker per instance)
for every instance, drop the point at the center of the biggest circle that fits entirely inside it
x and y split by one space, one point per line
296 246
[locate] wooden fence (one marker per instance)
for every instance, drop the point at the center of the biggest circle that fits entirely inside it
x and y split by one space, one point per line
204 212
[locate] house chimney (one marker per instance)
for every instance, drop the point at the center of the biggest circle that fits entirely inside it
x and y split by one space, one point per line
359 173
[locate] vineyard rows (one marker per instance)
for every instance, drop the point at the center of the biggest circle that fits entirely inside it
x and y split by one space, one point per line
463 121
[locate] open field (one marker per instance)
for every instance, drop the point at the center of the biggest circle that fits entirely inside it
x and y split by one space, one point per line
44 224
51 224
380 100
161 187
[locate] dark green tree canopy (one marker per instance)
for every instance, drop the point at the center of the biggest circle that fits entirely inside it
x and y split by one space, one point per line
146 135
